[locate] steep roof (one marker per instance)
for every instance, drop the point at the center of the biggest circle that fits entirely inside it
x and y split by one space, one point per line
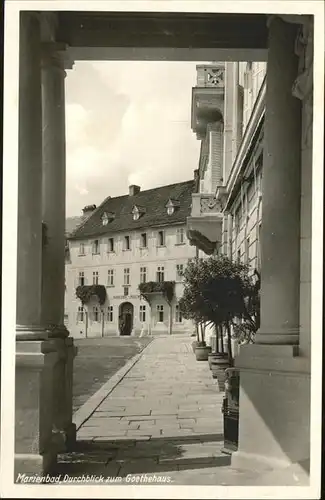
153 200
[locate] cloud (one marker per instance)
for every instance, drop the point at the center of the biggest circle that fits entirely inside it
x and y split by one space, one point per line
127 122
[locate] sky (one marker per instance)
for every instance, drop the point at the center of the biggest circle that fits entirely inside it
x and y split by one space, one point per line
127 123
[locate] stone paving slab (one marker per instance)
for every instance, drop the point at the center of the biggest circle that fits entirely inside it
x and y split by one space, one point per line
167 389
164 416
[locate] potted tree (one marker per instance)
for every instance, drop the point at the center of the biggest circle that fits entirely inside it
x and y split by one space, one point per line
190 306
216 291
195 342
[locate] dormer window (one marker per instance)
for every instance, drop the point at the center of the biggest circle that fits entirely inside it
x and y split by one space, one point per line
137 212
107 217
171 206
104 219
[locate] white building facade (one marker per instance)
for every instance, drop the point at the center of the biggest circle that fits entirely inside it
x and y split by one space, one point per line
126 241
227 208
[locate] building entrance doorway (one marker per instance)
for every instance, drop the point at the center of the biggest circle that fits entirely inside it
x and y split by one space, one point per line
126 318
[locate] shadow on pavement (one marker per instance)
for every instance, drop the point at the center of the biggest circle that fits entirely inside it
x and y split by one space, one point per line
157 455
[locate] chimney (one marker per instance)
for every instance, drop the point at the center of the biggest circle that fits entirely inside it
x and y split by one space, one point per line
134 190
87 210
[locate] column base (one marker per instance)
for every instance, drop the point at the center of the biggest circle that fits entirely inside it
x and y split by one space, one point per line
277 338
40 332
30 464
43 413
274 408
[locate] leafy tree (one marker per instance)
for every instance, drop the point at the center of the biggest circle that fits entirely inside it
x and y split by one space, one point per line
218 291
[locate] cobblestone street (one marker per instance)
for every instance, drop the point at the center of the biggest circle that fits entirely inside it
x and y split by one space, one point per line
164 417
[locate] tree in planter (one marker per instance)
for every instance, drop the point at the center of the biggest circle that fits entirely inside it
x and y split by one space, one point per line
245 330
216 291
191 307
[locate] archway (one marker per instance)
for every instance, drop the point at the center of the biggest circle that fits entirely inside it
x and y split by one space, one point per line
126 318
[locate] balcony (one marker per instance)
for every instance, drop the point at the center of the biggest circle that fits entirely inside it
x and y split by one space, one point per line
153 288
204 226
207 97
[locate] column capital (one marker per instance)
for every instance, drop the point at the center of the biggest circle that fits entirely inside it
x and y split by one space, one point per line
303 85
56 55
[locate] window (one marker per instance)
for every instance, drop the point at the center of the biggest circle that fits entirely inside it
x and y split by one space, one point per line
144 240
126 242
126 291
179 272
136 213
248 76
95 277
247 244
143 274
110 314
142 314
127 276
178 314
259 254
170 210
96 314
95 247
160 313
105 219
161 239
81 248
81 279
81 314
180 236
236 220
110 277
111 244
160 273
238 255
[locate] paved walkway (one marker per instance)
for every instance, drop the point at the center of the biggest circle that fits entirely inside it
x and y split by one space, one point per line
164 417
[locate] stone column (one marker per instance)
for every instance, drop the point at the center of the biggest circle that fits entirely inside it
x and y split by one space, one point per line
35 356
29 180
53 258
280 241
54 179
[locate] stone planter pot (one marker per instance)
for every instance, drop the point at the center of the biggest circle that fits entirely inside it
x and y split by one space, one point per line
202 352
219 363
